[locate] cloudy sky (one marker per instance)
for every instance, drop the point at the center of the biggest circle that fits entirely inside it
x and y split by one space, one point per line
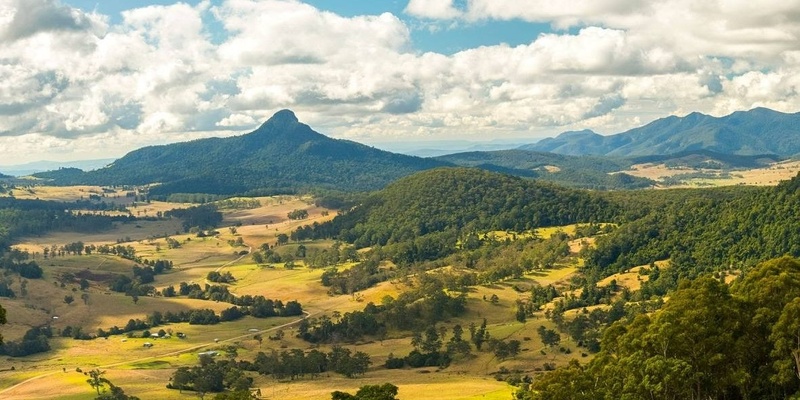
82 79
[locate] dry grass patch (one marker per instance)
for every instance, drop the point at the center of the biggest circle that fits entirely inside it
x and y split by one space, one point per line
553 276
632 278
766 176
63 193
135 231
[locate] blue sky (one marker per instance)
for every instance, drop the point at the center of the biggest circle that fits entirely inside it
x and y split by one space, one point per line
80 79
447 38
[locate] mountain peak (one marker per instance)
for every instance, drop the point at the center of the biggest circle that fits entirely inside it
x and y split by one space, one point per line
284 115
281 119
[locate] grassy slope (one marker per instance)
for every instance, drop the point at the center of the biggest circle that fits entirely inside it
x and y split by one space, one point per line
463 380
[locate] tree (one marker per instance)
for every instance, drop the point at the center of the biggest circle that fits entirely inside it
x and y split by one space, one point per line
387 391
115 393
96 379
432 342
521 314
549 337
282 238
69 299
298 214
2 321
479 335
786 338
259 338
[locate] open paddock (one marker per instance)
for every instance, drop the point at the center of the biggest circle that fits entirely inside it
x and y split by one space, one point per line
128 232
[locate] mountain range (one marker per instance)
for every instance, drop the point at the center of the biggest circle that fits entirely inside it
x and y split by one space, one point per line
286 155
42 166
754 132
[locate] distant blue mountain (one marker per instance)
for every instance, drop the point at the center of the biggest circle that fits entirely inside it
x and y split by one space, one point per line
758 131
41 166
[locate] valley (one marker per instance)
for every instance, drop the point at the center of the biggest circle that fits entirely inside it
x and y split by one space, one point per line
145 371
480 275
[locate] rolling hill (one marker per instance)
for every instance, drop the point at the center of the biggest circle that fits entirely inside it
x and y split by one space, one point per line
758 131
463 200
589 172
282 154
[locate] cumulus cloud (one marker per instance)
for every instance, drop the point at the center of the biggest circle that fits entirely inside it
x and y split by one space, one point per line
24 18
435 9
72 83
725 27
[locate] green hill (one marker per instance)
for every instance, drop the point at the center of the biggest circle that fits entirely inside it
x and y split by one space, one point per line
590 172
445 203
283 154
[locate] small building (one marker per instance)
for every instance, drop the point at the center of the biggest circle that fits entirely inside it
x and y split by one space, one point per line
147 345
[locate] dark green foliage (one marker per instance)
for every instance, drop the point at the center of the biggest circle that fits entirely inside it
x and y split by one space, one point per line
387 391
358 277
210 377
505 349
549 337
295 363
703 231
573 171
202 217
34 341
115 393
705 159
281 155
298 214
708 341
35 217
3 321
217 277
421 217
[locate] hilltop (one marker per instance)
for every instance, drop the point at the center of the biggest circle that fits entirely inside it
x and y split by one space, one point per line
282 154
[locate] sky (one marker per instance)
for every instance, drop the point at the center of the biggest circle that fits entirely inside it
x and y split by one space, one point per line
88 79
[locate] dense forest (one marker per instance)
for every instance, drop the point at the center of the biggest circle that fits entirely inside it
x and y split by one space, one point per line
571 171
731 228
424 215
709 341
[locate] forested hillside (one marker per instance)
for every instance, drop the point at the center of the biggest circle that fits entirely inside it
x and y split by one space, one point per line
432 209
709 341
572 171
36 217
282 155
706 230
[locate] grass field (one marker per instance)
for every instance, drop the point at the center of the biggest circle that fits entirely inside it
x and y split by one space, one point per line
767 176
144 372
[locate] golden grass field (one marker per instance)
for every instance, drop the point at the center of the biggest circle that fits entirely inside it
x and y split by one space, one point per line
145 372
767 176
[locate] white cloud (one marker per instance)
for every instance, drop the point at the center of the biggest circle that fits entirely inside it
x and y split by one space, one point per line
72 84
237 120
436 9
